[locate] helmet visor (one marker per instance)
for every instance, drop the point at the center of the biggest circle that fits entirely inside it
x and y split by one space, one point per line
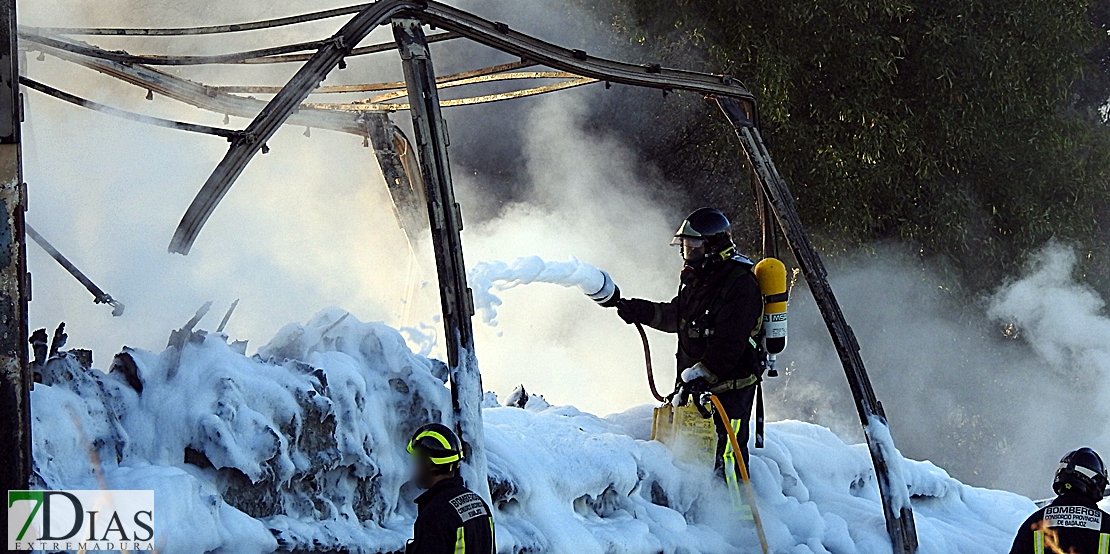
692 249
1086 472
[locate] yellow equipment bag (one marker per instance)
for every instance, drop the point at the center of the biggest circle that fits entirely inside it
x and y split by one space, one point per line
693 439
689 437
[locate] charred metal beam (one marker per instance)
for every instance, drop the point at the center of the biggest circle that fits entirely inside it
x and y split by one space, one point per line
124 57
373 105
227 316
276 112
99 296
375 87
279 54
15 372
402 176
445 216
899 515
459 22
360 51
206 97
207 30
124 114
180 337
503 38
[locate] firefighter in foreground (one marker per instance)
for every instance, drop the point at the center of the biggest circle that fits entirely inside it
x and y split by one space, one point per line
452 519
1072 523
717 314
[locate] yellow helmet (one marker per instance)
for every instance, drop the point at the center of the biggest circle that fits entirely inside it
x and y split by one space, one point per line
437 443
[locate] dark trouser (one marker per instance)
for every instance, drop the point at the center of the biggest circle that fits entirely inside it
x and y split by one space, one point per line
738 405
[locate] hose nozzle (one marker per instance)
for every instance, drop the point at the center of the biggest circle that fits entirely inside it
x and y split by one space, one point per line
608 295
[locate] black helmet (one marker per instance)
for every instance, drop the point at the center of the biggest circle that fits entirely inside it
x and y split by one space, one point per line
711 226
1081 471
438 444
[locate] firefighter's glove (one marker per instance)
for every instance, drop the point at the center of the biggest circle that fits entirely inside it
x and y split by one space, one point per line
698 371
634 310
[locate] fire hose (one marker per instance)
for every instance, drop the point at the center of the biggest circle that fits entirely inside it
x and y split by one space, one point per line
608 295
746 486
746 489
647 362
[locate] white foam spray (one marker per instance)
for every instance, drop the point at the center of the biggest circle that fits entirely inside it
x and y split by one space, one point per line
487 277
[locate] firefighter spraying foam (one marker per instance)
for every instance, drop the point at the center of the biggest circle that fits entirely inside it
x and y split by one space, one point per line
717 315
730 314
730 317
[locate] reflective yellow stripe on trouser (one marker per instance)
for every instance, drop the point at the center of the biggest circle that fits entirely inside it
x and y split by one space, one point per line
743 511
460 541
1104 543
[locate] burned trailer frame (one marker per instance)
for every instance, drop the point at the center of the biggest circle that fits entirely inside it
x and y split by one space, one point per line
775 202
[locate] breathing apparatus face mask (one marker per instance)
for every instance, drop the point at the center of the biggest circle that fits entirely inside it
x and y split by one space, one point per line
692 249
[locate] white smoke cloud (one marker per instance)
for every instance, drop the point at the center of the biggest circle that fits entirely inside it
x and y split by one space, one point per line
992 410
1065 323
586 200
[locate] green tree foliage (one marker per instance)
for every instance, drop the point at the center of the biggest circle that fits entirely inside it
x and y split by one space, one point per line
972 128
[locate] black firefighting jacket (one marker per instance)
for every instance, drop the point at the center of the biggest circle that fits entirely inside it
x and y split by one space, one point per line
452 520
1072 522
715 314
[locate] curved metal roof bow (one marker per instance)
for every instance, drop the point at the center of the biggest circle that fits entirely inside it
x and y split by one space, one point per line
274 115
494 35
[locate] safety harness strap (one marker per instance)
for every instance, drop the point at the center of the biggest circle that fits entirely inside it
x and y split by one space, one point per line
776 298
726 287
735 384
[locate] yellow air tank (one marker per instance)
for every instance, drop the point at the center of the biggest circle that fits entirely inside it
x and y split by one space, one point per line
771 274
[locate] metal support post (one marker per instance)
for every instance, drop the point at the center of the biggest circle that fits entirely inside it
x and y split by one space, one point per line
445 217
15 372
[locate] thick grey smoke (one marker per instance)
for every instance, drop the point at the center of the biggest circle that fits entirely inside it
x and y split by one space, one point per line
993 389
